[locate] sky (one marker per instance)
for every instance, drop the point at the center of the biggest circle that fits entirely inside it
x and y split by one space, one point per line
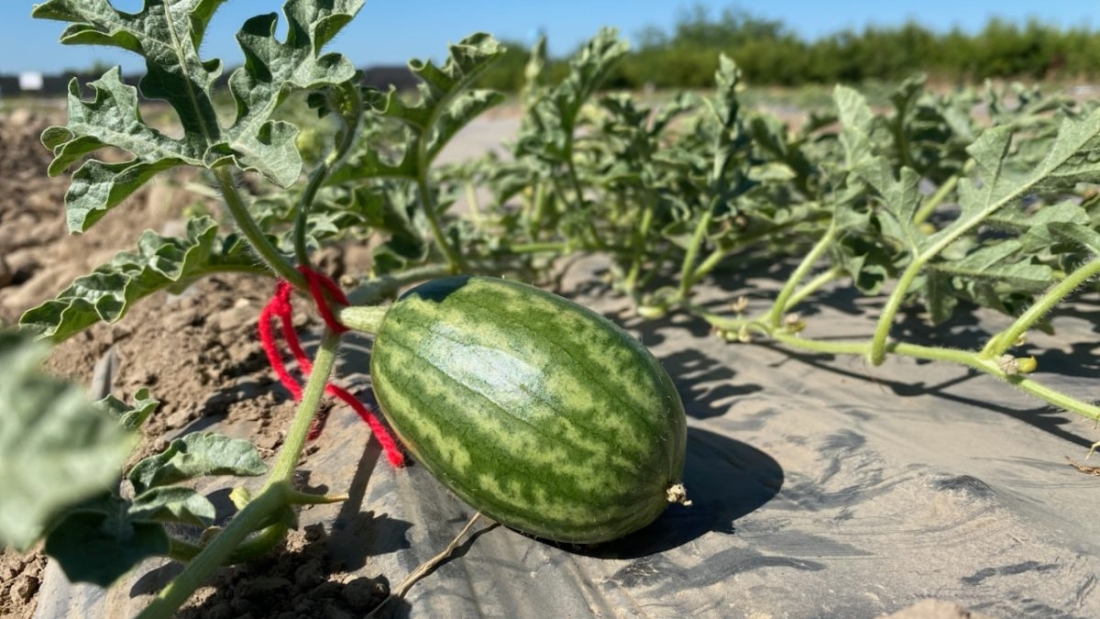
392 31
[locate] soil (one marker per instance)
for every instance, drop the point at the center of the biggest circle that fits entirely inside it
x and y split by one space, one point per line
842 494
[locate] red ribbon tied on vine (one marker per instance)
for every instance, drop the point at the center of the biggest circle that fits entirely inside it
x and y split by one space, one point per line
280 307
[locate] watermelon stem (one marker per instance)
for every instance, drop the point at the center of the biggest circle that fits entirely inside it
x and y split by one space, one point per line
426 567
305 498
363 318
386 286
677 493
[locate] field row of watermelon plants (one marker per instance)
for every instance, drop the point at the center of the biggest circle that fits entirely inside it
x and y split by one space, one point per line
949 202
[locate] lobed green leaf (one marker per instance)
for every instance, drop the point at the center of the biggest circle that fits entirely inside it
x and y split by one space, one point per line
857 122
99 548
1071 158
168 34
445 105
160 263
130 416
56 447
172 504
901 198
1001 261
1085 237
197 455
553 113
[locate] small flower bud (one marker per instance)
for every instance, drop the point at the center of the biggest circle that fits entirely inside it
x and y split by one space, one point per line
1027 365
651 312
793 323
1012 366
240 496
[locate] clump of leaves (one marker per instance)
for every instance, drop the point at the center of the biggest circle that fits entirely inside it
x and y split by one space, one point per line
95 520
63 454
925 203
56 446
1003 244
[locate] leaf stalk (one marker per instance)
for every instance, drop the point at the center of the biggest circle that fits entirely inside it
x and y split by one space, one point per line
271 256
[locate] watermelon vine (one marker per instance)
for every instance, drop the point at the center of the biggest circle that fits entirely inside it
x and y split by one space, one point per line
922 204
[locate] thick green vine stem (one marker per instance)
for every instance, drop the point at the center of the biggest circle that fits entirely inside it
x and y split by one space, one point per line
815 284
378 289
362 318
383 287
251 548
287 461
347 103
305 205
217 552
277 495
454 258
976 360
1004 340
946 189
876 352
687 270
783 300
641 234
251 230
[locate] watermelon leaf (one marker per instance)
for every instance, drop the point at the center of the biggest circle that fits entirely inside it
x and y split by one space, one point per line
98 547
56 446
172 504
169 36
446 104
197 455
160 263
130 416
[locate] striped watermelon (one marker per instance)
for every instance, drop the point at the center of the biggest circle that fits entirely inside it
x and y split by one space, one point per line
538 412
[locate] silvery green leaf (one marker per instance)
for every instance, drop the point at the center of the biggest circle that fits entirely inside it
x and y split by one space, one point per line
196 455
445 105
1001 261
99 548
130 416
857 121
1071 158
172 504
160 263
168 35
900 198
57 448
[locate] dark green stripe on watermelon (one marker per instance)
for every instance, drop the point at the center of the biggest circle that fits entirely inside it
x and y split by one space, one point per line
542 414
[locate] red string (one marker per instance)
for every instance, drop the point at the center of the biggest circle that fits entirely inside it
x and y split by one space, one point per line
280 307
318 285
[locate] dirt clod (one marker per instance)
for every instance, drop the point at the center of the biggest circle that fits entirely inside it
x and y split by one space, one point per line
363 593
23 588
20 579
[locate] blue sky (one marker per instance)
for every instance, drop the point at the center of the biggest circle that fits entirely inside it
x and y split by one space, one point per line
391 31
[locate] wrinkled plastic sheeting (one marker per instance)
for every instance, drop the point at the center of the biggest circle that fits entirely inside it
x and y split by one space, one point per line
822 487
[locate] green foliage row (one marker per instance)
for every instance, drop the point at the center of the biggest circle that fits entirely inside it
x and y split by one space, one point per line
769 53
921 203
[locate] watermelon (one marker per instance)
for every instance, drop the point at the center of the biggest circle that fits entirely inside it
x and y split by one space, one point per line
540 413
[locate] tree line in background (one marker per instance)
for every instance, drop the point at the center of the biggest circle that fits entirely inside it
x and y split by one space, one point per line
769 53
